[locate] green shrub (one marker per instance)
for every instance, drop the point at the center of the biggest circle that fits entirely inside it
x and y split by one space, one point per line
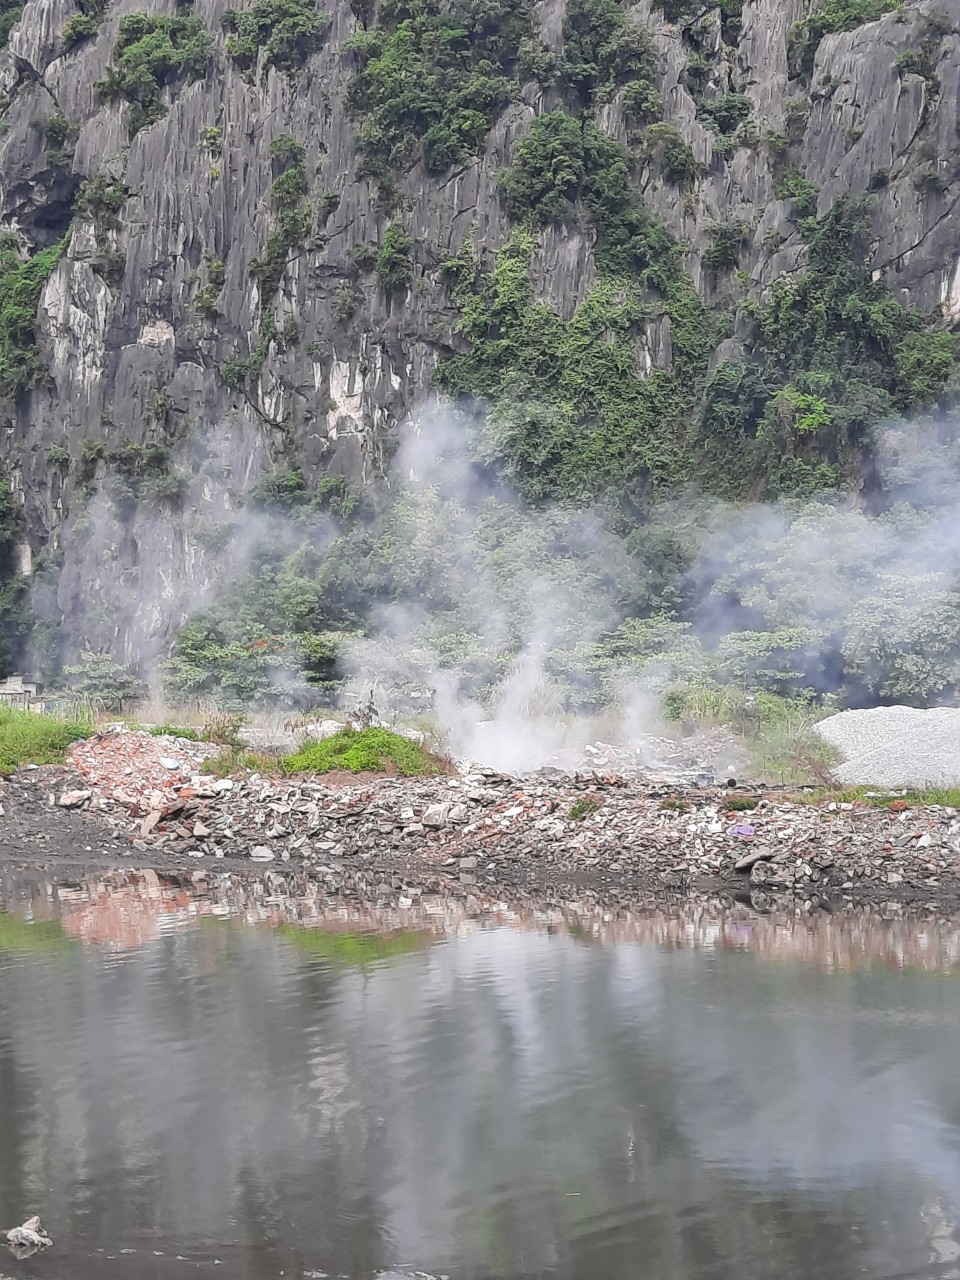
642 104
287 31
176 731
283 490
77 29
726 242
101 198
10 14
21 284
603 48
361 751
727 113
364 257
27 737
831 17
573 412
394 263
793 186
293 216
925 365
547 171
666 144
239 760
581 809
879 179
207 661
833 353
150 52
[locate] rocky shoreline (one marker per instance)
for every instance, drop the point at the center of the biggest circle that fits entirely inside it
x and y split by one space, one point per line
131 799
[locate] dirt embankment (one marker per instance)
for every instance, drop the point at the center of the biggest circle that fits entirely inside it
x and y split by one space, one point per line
128 799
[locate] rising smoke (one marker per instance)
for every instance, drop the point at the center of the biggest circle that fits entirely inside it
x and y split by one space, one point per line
516 626
513 629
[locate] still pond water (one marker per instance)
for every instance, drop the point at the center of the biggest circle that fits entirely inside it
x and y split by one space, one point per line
199 1084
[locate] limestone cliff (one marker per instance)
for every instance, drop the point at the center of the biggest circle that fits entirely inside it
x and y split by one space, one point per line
153 327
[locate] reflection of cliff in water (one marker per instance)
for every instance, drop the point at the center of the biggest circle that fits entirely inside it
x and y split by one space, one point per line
506 1101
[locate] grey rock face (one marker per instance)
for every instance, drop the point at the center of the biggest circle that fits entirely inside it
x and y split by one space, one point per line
132 359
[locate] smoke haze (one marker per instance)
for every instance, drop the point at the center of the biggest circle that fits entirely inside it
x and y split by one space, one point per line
512 629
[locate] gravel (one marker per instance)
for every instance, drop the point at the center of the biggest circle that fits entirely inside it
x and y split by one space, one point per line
487 830
896 746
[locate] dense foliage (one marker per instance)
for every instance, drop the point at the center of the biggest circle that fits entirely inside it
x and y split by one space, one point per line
833 355
235 662
432 80
131 473
604 51
152 51
10 11
21 284
101 681
394 263
284 33
77 29
572 410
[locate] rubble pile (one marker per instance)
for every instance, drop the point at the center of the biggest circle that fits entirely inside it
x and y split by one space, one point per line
488 828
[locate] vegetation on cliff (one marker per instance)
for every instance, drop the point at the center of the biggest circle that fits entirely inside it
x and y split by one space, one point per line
432 80
21 283
277 33
14 595
614 404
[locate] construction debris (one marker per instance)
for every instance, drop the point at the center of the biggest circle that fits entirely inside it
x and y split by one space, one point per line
483 827
30 1237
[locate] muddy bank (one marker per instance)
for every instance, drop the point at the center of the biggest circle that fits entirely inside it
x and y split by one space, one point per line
481 831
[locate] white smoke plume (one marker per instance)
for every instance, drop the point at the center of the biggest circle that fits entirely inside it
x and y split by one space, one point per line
512 630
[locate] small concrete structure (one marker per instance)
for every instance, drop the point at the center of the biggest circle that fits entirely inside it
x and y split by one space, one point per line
19 691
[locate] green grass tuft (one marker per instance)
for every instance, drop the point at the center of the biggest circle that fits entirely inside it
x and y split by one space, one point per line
880 797
359 751
741 804
29 737
176 731
583 809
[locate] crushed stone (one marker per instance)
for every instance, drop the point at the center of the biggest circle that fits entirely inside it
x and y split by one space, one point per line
896 746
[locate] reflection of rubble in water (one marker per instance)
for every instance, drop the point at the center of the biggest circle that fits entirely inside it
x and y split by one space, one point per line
128 909
942 1227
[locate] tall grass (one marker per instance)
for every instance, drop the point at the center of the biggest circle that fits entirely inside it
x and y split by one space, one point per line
32 737
778 733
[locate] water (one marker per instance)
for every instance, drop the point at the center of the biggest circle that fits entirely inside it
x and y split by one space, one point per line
190 1083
